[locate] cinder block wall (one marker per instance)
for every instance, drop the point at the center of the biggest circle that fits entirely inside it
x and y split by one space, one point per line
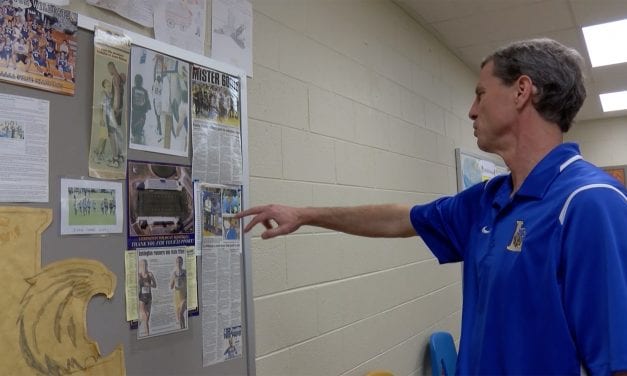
602 142
352 102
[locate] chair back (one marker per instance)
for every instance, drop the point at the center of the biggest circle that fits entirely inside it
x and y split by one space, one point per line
443 354
379 373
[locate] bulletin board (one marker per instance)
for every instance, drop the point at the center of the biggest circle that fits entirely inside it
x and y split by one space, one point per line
69 128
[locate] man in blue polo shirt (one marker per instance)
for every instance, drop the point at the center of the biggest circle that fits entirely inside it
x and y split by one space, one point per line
544 248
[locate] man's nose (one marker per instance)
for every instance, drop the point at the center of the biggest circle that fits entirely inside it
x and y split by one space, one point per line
472 113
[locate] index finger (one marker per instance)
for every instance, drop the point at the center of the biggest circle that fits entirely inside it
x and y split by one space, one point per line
250 211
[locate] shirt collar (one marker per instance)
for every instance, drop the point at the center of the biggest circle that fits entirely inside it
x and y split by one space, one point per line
543 174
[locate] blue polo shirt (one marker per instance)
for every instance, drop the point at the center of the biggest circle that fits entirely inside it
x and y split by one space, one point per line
545 271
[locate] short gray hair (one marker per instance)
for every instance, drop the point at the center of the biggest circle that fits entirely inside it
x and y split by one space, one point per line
555 71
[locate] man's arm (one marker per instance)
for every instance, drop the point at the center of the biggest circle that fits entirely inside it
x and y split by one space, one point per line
383 221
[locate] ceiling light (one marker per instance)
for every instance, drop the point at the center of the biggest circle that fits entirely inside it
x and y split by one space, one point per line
614 101
606 43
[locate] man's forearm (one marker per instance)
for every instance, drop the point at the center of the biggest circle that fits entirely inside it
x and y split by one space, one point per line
388 220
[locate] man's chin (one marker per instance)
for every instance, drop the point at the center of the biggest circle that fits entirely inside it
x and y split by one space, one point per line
483 147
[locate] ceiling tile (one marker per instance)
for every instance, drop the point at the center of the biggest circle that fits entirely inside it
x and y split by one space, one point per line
588 12
441 10
514 22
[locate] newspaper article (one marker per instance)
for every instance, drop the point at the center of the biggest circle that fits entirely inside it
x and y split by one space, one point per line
216 135
130 285
130 266
107 151
159 103
38 45
221 250
232 33
160 205
138 11
24 134
162 291
181 23
91 207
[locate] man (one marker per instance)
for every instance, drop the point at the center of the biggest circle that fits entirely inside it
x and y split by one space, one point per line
64 67
230 203
232 232
117 134
544 248
178 283
38 60
156 100
140 105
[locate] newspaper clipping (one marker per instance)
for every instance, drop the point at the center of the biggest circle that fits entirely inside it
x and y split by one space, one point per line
130 265
91 207
160 205
159 103
216 131
38 45
221 248
107 152
162 291
24 153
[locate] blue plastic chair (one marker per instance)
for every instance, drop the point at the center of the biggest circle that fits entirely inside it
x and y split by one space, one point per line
443 354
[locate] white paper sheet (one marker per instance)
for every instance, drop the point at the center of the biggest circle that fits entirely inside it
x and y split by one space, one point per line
139 11
232 33
24 133
181 23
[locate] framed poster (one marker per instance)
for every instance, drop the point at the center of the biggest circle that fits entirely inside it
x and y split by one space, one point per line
38 46
619 172
473 168
160 205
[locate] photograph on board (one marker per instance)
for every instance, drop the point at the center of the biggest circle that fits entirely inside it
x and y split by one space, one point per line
161 291
231 201
160 120
211 210
160 205
232 342
91 207
38 45
215 97
107 153
232 228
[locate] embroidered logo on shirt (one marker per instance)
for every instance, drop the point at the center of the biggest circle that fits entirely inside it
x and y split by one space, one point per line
485 230
517 240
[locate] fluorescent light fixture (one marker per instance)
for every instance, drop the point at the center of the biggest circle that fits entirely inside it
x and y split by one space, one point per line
614 101
606 43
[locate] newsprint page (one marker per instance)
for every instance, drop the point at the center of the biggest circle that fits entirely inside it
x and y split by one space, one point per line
221 248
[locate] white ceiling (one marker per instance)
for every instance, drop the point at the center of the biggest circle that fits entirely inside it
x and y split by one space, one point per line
474 28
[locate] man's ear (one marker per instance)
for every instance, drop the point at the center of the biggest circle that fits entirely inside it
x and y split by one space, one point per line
525 90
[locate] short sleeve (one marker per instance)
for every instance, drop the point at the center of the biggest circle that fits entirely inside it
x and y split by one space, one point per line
444 224
594 257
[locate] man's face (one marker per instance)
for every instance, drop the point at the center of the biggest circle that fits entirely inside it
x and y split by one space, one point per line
493 110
